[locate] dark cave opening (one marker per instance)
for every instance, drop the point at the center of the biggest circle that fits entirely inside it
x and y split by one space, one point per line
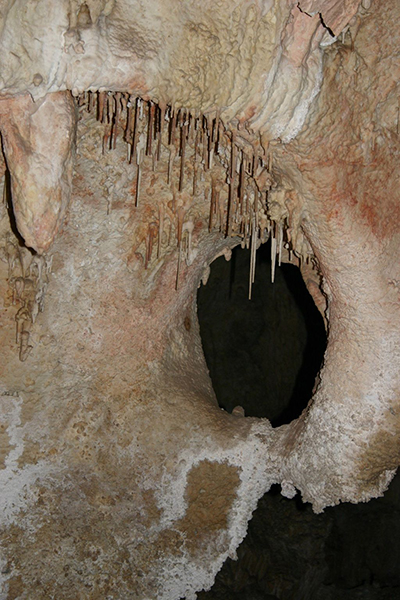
348 552
263 354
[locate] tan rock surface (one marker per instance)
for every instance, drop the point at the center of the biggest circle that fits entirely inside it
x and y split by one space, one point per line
120 475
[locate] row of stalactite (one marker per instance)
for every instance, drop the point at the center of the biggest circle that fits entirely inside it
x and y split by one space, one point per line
195 142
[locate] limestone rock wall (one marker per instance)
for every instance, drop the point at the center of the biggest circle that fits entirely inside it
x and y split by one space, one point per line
121 476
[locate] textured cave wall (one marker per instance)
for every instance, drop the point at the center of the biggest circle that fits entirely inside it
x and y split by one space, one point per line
121 476
117 461
339 175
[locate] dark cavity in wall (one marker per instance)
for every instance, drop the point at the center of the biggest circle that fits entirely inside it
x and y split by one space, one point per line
263 354
349 552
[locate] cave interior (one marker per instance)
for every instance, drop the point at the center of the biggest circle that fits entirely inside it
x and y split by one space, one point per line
199 299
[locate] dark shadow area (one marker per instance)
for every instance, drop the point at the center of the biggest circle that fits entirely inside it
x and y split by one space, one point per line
8 202
349 552
7 199
263 354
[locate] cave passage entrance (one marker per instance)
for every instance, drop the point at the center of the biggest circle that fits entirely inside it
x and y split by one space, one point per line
263 354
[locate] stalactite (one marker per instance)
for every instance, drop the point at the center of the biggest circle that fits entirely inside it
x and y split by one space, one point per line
139 158
150 125
212 204
160 131
135 131
210 150
253 252
241 185
128 125
100 106
195 153
182 152
221 206
110 107
89 101
115 121
204 140
273 254
172 127
231 187
217 137
280 243
239 204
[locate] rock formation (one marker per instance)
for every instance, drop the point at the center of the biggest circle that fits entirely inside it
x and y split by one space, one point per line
141 141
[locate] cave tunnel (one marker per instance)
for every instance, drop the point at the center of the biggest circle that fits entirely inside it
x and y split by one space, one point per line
264 354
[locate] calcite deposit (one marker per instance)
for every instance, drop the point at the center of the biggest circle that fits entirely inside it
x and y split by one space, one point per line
38 139
140 142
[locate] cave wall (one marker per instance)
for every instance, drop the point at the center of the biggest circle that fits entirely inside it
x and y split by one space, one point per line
121 476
